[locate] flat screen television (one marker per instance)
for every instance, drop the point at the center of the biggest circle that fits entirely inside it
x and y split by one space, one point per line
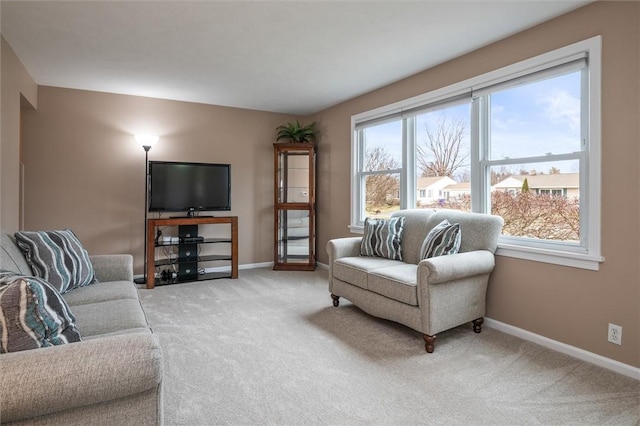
190 187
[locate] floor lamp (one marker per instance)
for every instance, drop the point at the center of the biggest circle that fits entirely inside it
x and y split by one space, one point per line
146 141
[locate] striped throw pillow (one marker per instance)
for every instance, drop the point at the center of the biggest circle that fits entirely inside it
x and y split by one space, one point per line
33 315
382 238
58 257
443 239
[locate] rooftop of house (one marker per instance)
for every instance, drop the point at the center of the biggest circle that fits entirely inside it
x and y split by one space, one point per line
552 180
460 186
425 182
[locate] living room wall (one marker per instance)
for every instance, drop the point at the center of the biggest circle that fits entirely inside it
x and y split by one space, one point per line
85 171
569 305
19 92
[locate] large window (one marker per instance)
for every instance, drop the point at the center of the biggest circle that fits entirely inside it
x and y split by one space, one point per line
522 142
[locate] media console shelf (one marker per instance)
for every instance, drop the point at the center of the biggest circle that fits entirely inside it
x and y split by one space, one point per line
188 251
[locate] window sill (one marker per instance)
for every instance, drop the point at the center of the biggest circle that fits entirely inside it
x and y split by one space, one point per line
356 229
556 257
535 254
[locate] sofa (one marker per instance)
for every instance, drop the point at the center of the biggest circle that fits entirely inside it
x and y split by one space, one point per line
429 295
112 376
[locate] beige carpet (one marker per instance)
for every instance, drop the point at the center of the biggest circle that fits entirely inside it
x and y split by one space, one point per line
270 349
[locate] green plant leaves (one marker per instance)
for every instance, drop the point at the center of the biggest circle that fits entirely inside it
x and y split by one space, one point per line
296 132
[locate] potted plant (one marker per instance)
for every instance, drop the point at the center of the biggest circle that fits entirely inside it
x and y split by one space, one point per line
296 132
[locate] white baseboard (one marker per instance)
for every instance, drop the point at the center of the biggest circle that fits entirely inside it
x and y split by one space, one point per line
241 267
228 268
270 264
256 265
581 354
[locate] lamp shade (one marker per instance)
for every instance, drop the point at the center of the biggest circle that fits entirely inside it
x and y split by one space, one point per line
147 140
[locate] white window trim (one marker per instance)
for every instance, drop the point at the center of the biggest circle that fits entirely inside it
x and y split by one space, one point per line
588 257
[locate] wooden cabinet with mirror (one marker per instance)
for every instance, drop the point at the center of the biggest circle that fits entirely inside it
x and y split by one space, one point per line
294 206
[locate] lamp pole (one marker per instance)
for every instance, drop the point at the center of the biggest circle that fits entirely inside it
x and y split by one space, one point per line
146 140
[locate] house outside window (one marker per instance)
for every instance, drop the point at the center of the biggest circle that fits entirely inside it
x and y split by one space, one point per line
522 142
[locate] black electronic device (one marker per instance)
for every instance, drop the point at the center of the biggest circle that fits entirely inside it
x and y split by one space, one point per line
187 231
190 187
191 239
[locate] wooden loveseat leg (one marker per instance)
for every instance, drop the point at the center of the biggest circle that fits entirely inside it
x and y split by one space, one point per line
336 299
429 342
477 324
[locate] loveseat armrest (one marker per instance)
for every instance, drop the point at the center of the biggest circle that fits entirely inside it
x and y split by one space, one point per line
46 380
453 267
113 267
343 247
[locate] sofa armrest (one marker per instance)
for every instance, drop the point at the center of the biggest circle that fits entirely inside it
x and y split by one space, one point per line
46 380
456 266
113 267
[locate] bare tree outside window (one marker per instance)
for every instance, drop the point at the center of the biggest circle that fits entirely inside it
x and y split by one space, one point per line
527 213
382 190
378 159
540 216
443 151
500 175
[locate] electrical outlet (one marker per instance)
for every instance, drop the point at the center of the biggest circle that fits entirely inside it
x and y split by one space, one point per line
615 334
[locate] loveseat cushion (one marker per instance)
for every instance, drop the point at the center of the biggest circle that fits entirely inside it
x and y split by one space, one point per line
101 292
58 257
396 282
110 316
354 270
33 315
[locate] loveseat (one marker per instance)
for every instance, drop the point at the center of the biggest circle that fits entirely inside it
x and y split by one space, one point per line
112 376
428 295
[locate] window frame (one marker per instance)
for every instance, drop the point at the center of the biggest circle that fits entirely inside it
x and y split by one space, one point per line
587 255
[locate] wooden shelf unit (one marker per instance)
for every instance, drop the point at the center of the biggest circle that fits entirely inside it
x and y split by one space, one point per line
152 224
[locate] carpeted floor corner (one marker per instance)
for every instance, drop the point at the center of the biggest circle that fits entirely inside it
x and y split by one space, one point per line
270 349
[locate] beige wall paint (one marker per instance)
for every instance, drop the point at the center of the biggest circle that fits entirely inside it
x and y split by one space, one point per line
85 171
569 305
1 102
1 44
18 91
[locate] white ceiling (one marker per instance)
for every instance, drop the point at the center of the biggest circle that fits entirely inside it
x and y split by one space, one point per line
295 57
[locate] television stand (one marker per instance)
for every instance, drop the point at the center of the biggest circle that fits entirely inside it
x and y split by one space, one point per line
191 263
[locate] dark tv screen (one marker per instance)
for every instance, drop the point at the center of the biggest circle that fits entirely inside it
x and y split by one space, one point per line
177 186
